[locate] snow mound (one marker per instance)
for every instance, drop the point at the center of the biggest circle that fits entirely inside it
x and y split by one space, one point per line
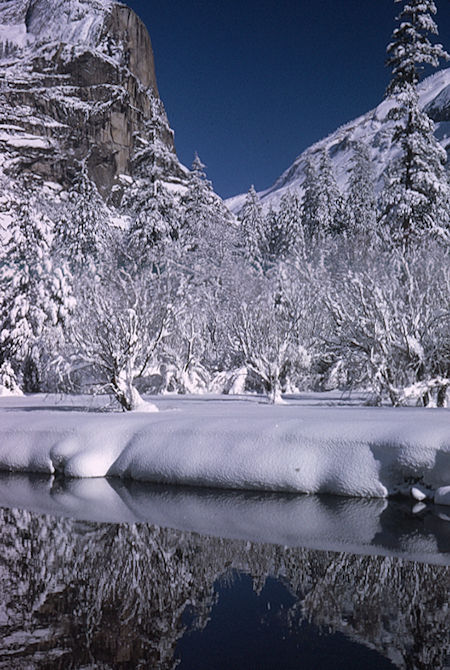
348 451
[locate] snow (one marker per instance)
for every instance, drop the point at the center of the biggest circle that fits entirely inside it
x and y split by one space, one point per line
4 391
371 128
442 496
14 34
30 141
234 444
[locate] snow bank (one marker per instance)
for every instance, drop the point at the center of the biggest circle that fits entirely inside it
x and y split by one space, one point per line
350 451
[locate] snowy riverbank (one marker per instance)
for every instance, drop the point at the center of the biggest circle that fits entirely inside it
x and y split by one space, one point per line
235 443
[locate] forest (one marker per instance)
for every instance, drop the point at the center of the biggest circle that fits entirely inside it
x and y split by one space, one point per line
332 289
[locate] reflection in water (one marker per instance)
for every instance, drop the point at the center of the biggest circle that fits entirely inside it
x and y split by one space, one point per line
83 594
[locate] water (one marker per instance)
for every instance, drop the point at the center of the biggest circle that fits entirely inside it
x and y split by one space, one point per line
207 588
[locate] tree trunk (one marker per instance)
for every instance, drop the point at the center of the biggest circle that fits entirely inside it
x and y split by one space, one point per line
441 400
274 392
125 393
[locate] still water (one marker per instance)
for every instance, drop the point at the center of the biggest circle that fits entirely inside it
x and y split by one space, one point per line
108 575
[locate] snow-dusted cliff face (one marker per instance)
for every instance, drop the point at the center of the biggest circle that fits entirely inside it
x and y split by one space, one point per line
374 130
77 83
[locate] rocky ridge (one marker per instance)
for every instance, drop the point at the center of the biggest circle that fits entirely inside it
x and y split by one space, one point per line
78 86
374 130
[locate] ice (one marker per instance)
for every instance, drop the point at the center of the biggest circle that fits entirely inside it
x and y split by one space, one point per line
235 444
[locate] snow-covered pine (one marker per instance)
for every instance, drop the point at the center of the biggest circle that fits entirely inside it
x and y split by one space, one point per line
290 226
360 203
157 222
283 231
82 232
207 234
252 229
322 200
411 48
310 201
416 197
36 295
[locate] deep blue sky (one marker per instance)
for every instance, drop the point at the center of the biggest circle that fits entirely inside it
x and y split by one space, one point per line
249 85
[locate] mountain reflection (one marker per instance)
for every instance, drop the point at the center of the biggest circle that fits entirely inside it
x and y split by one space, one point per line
85 594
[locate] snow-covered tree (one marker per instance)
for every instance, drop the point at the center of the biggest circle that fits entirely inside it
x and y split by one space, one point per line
391 323
156 223
360 204
82 232
271 327
204 213
252 229
36 296
416 197
322 201
120 324
283 231
290 230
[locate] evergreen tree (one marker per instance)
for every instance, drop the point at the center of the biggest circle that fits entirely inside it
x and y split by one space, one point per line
82 232
206 232
416 195
253 234
157 223
283 231
35 296
310 201
203 209
322 201
360 205
290 226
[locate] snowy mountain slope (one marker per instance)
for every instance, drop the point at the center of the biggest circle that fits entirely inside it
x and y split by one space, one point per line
374 130
78 86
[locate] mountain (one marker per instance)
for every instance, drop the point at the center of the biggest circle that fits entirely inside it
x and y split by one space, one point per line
374 130
78 86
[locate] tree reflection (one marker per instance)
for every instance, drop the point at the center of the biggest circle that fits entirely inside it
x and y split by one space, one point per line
122 596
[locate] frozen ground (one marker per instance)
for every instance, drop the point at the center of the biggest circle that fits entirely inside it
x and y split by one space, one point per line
311 444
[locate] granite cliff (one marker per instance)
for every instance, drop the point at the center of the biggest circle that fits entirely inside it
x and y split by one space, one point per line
78 86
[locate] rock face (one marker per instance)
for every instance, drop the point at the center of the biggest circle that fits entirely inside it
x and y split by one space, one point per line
374 130
78 85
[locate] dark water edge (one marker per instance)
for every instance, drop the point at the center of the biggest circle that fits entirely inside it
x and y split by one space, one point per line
79 593
373 526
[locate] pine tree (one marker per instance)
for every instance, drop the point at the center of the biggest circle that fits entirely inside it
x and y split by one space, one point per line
253 233
322 201
360 205
290 225
310 201
206 232
157 223
82 232
35 296
203 210
416 196
283 231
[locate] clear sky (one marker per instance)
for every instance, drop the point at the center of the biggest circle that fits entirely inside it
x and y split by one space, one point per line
249 84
